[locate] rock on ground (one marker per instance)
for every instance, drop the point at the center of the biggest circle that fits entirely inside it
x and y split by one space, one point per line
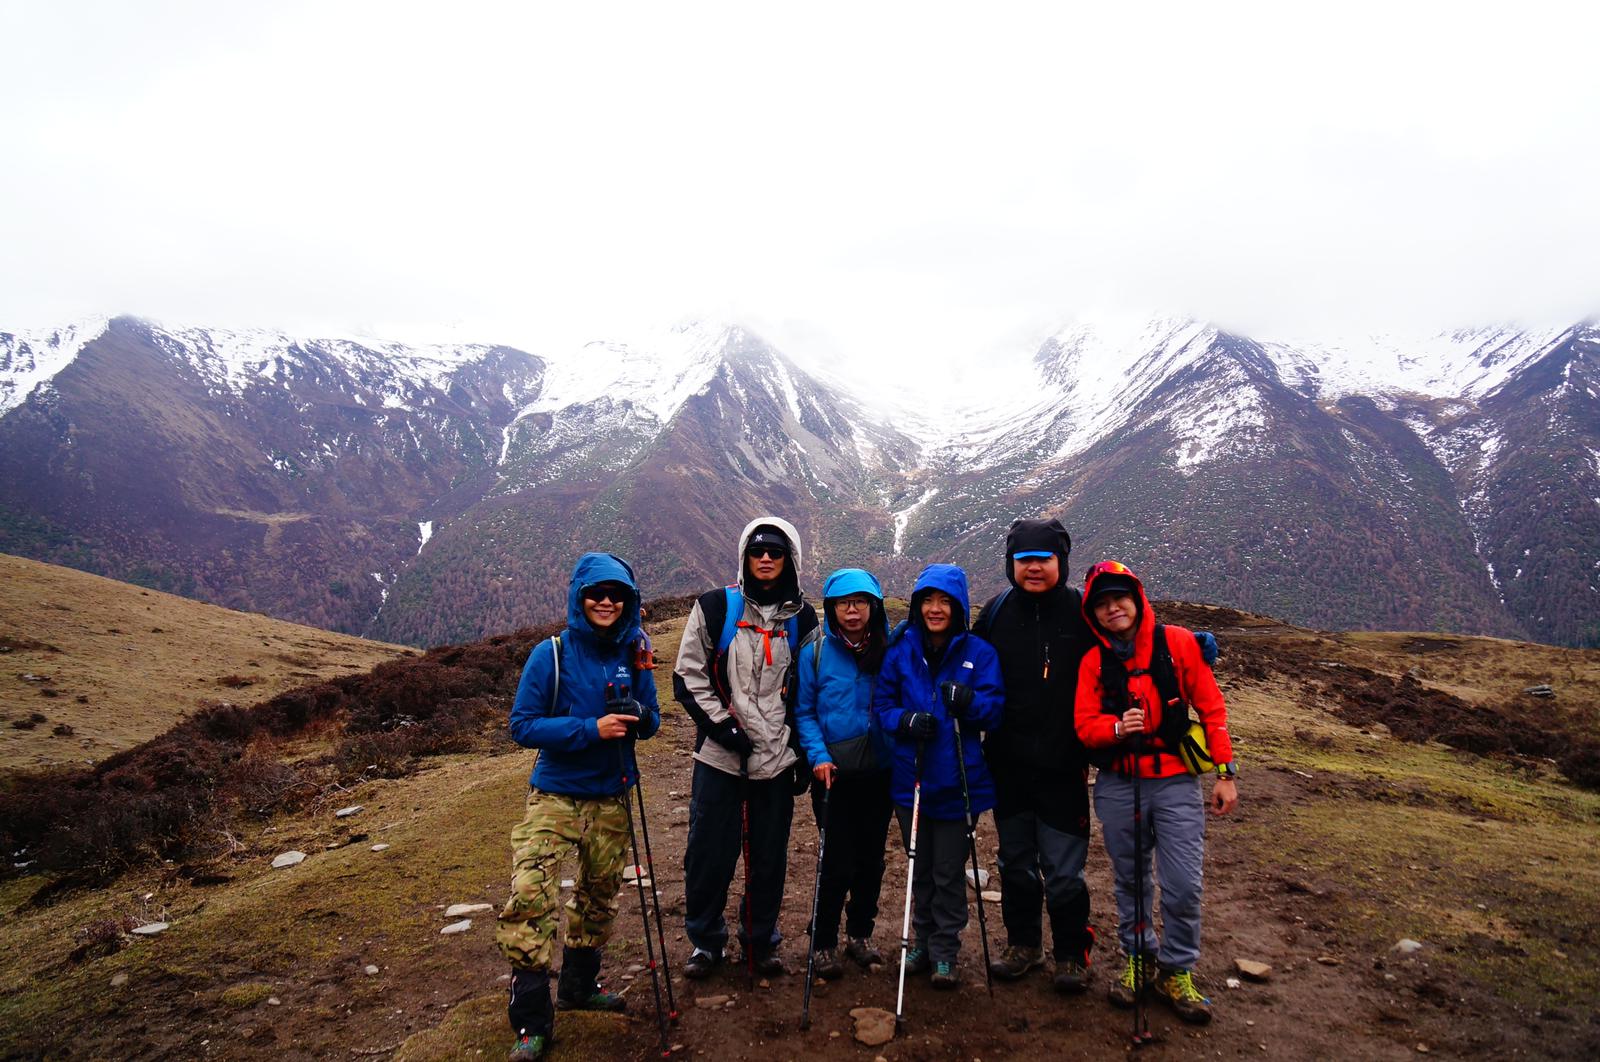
458 910
1256 971
288 859
456 927
874 1025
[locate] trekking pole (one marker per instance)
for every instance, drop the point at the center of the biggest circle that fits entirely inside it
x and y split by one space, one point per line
816 896
655 895
972 844
1141 1020
644 915
911 869
744 844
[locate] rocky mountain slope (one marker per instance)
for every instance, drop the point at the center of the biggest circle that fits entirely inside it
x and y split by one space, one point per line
424 495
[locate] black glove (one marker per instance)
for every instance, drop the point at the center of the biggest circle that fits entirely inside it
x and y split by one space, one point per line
729 736
957 697
619 702
918 725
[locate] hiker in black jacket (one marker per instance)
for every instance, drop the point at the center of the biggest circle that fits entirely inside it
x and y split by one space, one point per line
1040 768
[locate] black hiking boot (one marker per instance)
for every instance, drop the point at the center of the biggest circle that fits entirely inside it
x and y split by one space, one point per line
827 963
700 963
861 951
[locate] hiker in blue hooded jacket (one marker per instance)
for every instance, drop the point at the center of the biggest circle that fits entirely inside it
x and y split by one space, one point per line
850 755
939 681
581 703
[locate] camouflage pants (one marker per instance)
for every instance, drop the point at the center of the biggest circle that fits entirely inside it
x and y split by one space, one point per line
553 827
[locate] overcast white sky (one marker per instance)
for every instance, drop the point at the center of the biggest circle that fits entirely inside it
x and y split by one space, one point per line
860 181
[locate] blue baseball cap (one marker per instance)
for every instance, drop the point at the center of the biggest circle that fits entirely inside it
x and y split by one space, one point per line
1042 554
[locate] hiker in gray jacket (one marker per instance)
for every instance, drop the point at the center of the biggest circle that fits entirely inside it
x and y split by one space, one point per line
733 677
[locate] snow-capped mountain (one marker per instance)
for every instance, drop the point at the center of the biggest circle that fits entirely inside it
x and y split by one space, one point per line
435 493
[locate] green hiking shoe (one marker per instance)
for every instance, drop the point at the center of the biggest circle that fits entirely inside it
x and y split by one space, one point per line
1177 988
944 975
918 960
1123 993
596 1000
1016 961
529 1048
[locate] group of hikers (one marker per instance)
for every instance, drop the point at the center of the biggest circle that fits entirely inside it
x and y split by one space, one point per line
931 724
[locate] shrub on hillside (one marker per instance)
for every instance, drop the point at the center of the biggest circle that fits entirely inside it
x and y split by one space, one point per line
176 795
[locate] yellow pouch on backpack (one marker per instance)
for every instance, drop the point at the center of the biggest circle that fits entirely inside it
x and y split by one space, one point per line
1194 752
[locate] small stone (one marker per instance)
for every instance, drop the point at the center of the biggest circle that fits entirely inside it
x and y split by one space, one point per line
982 878
710 1002
990 896
456 927
1422 1049
380 848
764 983
632 873
567 883
118 980
1234 982
460 910
874 1025
1330 960
1407 946
1250 1023
345 813
274 1001
835 1034
288 859
1255 971
637 967
503 978
150 929
371 971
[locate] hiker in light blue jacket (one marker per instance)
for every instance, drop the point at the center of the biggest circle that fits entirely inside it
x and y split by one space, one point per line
850 758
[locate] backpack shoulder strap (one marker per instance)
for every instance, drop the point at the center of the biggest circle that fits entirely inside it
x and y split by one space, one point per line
732 613
555 652
1174 709
986 618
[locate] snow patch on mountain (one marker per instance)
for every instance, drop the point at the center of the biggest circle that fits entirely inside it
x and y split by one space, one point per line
31 358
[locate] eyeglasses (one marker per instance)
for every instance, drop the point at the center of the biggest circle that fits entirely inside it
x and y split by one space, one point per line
615 595
848 605
773 552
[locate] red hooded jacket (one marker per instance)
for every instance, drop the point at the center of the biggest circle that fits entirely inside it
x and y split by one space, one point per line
1097 727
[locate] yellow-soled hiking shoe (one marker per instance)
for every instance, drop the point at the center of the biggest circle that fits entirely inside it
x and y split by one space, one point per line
1176 987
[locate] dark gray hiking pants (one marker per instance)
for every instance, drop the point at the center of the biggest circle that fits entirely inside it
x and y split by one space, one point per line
1174 817
939 888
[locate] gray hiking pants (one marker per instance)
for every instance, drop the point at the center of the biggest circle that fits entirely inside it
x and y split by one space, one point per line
939 887
1174 817
1039 862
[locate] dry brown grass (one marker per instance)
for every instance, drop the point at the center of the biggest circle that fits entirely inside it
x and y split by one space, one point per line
120 664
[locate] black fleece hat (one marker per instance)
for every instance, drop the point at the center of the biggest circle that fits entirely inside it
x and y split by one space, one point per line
1037 536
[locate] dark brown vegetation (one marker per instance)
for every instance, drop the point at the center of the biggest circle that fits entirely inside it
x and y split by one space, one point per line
175 796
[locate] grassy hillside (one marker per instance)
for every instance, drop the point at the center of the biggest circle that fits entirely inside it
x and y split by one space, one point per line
109 665
1348 838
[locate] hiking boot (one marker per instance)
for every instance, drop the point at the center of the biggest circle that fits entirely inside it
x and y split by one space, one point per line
1177 988
861 950
579 986
944 975
700 963
918 960
770 964
528 1048
1016 961
1072 976
828 966
596 1000
1122 992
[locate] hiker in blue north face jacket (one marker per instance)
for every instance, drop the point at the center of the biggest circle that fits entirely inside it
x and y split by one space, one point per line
581 703
936 676
837 666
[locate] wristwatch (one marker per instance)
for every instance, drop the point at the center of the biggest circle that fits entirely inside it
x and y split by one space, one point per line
1227 770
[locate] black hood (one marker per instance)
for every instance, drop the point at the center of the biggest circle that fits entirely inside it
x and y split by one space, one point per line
1043 536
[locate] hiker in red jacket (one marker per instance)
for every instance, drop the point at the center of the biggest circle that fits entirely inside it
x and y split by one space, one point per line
1132 712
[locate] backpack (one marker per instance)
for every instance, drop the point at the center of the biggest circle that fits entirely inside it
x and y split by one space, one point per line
1178 734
